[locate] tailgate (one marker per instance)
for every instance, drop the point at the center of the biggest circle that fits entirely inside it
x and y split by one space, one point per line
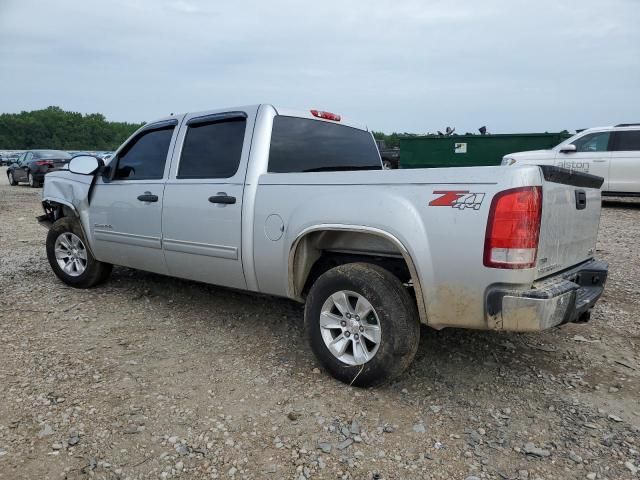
570 219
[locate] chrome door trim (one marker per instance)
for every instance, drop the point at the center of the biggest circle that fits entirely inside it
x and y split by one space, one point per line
195 248
127 238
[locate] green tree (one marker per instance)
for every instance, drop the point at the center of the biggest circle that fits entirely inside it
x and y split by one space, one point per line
55 128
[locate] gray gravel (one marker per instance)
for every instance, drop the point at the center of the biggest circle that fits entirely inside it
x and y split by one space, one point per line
151 377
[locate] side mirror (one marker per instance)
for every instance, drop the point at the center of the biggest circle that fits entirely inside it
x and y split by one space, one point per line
571 148
85 164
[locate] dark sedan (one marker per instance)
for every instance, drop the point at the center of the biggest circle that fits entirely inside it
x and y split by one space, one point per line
33 165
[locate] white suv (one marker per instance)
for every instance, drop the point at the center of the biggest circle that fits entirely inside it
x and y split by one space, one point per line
609 152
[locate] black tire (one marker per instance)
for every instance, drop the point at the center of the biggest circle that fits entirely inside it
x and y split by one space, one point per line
95 271
397 316
33 183
11 179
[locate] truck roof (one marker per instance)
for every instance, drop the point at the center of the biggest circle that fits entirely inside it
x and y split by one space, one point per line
280 111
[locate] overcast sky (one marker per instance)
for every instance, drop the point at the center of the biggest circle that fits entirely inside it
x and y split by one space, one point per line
403 65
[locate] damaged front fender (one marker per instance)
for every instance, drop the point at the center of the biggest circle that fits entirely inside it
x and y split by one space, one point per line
66 194
69 189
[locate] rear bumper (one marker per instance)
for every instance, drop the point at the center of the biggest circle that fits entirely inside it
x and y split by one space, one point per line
563 298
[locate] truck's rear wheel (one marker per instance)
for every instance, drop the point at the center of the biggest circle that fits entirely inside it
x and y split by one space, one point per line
362 324
69 257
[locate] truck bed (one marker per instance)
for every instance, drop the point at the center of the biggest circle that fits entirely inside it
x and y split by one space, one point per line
446 238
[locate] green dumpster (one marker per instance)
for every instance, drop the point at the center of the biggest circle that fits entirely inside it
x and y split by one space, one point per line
434 151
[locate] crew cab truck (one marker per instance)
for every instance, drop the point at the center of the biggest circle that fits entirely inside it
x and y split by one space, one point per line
297 205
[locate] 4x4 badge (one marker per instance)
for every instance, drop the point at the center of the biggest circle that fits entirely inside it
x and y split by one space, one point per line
457 199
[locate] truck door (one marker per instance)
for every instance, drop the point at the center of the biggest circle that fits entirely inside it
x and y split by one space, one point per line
125 213
624 172
202 212
591 156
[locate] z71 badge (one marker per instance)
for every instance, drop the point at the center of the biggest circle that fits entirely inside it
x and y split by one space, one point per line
457 199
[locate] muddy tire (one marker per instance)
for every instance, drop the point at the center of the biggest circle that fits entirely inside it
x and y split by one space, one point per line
69 257
11 178
362 324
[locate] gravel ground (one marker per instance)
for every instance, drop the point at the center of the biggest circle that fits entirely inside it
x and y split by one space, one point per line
151 377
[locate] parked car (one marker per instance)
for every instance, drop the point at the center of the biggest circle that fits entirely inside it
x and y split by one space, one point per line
7 159
295 204
33 165
106 156
609 152
390 155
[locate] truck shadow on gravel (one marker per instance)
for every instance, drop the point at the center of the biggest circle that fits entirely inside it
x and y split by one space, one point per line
452 357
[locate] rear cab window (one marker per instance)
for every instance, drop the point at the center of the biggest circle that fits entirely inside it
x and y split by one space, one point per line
307 145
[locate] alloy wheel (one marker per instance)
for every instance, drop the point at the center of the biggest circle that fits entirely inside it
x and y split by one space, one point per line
350 327
71 254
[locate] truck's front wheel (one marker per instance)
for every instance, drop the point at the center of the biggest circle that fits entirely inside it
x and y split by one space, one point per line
69 257
362 324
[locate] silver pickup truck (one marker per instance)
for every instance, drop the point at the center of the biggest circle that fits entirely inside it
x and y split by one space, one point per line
296 204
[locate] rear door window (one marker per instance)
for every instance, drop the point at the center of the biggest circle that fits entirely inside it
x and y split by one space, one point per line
144 157
626 141
212 147
306 145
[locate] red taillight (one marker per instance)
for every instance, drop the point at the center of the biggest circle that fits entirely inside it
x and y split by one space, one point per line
513 228
44 162
326 115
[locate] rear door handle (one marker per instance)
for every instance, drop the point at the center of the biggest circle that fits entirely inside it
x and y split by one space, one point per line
148 197
581 199
599 160
223 199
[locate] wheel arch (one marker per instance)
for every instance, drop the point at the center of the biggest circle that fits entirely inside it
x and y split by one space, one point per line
310 244
62 208
57 208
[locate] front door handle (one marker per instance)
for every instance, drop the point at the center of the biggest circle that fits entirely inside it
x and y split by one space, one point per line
223 199
148 197
599 160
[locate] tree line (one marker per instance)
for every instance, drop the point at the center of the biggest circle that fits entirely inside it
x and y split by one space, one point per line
58 129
